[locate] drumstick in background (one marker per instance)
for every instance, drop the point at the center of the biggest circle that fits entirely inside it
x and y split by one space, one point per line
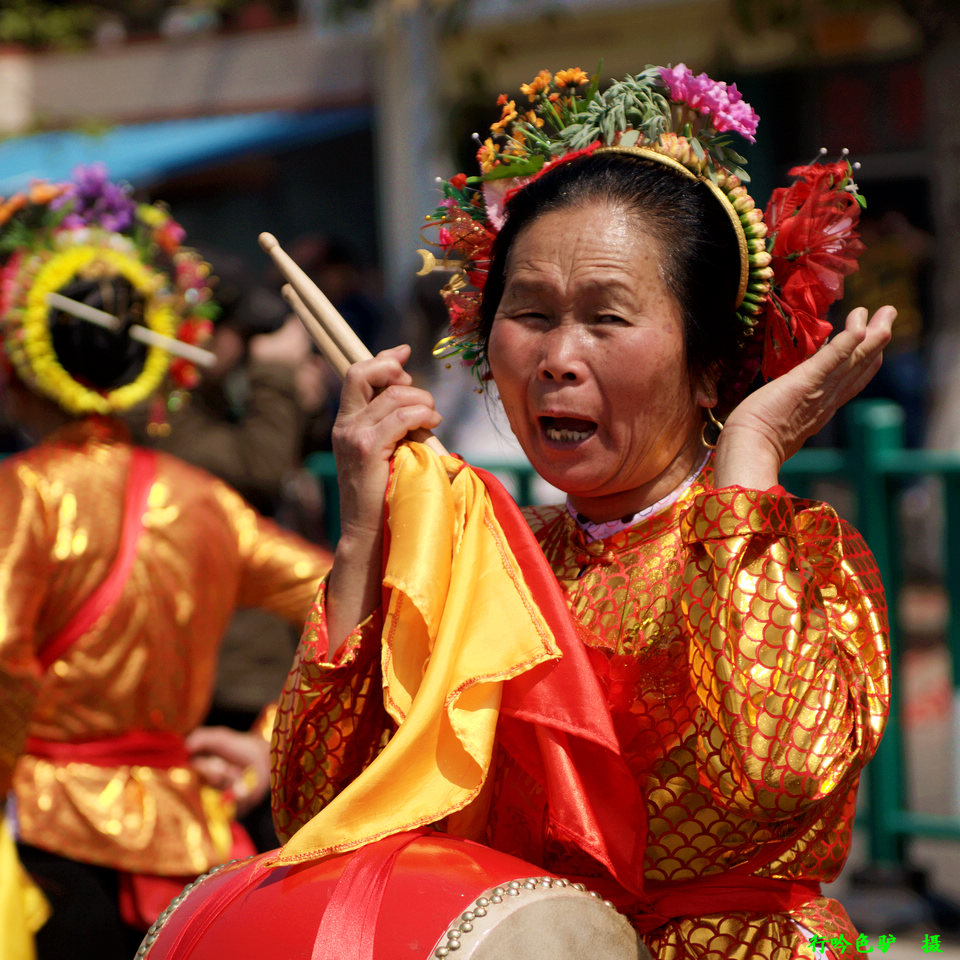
333 336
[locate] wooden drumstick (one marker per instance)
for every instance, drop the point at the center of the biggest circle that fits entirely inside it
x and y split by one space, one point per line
351 346
333 336
318 333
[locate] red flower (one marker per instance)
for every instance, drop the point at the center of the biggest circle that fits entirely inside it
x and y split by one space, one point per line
169 236
812 227
790 336
464 309
183 373
458 181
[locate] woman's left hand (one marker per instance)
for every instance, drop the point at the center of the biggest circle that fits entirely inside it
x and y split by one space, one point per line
772 423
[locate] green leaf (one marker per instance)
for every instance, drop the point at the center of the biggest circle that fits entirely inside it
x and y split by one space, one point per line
594 84
739 172
607 128
630 138
524 169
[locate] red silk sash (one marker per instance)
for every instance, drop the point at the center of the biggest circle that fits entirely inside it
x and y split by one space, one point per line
143 469
148 748
726 892
349 923
554 720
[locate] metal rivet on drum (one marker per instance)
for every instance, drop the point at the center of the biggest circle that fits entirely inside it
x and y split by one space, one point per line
482 901
607 903
453 945
579 886
467 915
594 894
496 899
498 892
529 885
453 934
480 912
466 926
562 882
513 892
514 884
441 951
546 882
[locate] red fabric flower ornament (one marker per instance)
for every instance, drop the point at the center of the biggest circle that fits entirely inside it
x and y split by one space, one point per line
812 226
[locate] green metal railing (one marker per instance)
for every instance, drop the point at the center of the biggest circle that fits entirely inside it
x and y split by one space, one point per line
875 466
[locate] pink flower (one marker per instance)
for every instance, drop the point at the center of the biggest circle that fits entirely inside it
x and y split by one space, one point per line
722 103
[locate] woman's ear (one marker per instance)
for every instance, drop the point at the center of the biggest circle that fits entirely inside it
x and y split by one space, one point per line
705 392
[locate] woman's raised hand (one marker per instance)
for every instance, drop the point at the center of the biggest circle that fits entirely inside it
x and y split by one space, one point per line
379 406
772 423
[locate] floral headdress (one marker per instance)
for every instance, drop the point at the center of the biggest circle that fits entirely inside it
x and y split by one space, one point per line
793 257
91 228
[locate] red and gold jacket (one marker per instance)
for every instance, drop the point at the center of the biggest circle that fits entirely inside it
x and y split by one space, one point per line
144 671
740 638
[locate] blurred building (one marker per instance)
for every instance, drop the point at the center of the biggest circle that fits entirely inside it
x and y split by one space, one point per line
335 116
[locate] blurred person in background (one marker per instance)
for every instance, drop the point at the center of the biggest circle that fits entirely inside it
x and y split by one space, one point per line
119 570
245 424
892 270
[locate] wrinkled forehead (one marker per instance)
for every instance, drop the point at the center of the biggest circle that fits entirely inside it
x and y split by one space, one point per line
595 244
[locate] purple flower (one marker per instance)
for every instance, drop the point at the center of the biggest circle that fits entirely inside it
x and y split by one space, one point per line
722 103
97 201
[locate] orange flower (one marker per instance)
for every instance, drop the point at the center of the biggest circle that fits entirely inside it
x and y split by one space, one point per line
531 117
42 192
501 100
574 77
508 116
540 82
487 156
9 207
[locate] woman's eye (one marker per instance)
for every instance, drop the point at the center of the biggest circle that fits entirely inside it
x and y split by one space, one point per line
610 318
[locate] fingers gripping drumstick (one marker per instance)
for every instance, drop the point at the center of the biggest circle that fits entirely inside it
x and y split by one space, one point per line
333 336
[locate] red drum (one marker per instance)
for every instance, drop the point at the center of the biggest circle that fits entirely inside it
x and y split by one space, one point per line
419 896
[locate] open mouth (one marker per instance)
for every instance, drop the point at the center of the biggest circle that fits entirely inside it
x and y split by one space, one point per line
567 429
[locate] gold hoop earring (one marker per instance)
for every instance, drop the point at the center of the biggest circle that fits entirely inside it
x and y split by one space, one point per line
713 424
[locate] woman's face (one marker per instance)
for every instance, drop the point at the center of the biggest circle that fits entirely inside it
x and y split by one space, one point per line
587 352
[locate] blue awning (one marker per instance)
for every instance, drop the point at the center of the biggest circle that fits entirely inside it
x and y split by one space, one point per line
149 152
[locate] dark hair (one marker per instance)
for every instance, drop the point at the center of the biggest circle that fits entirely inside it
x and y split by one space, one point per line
91 354
701 258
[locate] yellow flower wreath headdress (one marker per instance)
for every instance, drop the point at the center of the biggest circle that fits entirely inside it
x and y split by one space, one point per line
91 228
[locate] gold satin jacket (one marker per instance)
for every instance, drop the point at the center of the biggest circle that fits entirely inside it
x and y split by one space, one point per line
147 664
741 639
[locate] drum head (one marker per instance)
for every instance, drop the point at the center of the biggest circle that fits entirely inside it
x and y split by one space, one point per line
541 918
441 897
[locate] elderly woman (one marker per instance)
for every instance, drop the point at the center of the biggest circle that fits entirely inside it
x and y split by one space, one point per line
738 634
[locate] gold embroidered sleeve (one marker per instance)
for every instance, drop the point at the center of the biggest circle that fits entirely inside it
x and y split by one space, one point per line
24 569
789 653
330 722
280 570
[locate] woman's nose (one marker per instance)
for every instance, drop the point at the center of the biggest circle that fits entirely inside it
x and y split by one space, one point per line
561 359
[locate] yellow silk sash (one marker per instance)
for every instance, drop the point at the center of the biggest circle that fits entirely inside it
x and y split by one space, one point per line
23 908
459 622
